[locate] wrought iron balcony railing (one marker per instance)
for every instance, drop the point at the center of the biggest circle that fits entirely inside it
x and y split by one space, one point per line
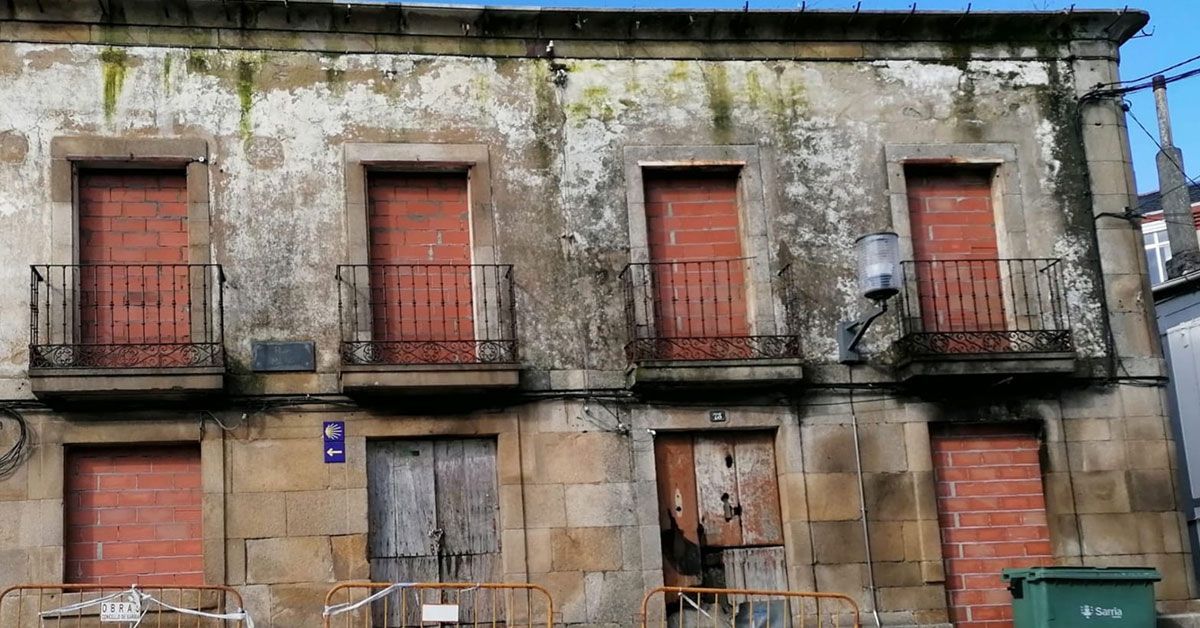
397 314
126 316
695 310
984 306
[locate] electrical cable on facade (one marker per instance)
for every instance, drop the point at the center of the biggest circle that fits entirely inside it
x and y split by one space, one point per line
16 454
1113 93
1178 166
1152 74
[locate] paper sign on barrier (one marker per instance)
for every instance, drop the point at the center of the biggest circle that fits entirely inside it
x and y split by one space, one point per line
120 612
439 613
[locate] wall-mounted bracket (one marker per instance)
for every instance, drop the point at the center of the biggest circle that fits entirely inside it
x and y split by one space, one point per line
850 333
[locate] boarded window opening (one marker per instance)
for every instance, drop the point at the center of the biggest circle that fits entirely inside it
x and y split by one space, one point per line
992 514
133 515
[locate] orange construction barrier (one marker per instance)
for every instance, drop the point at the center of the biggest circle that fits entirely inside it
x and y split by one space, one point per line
377 604
101 606
695 607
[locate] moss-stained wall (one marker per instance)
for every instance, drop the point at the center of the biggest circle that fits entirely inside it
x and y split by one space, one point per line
578 503
277 123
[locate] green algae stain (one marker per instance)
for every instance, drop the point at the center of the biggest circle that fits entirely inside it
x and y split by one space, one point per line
246 71
114 64
197 61
679 72
783 101
480 91
547 118
754 89
166 72
594 102
720 103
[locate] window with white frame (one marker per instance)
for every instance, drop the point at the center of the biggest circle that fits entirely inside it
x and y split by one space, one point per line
1158 250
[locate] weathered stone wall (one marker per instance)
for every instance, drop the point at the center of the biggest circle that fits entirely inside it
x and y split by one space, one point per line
276 124
579 510
578 506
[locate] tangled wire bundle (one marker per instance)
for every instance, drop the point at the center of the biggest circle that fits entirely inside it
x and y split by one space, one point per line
11 459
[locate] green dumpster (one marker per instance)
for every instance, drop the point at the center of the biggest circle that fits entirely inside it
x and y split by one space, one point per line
1082 596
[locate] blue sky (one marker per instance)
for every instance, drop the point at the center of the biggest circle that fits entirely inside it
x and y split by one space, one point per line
1172 22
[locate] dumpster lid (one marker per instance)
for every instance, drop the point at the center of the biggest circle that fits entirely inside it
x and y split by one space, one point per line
1035 574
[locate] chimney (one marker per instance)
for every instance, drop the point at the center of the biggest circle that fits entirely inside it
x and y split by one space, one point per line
1173 190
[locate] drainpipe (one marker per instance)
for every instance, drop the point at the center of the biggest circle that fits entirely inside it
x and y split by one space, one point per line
862 507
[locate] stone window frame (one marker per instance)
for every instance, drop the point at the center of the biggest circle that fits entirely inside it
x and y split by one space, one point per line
1007 203
50 477
1008 208
360 159
752 212
70 154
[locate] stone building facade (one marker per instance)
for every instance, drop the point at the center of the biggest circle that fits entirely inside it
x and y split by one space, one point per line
576 274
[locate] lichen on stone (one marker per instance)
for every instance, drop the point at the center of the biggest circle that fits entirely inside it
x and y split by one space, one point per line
246 70
114 65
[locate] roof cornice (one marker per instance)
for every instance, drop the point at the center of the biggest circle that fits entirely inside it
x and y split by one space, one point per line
363 19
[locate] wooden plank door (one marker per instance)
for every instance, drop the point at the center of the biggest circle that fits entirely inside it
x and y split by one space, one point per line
758 489
401 511
718 494
679 522
467 510
433 509
738 490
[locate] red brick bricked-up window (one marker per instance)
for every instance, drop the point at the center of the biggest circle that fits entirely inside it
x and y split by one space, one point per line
992 513
133 245
692 223
420 246
953 221
133 516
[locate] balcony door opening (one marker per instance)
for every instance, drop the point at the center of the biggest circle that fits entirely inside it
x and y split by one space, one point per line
961 297
421 279
697 271
133 280
954 240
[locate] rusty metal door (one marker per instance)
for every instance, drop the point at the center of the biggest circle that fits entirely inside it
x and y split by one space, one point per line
433 511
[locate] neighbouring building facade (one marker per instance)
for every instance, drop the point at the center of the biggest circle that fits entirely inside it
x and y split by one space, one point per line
295 293
1177 305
